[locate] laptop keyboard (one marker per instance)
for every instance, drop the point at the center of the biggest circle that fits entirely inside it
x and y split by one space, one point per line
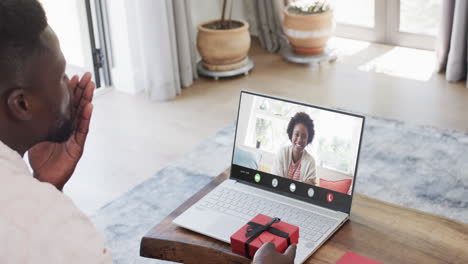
240 204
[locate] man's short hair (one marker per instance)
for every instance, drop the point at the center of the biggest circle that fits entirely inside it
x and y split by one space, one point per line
21 24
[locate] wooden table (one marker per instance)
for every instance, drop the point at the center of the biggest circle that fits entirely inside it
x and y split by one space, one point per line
382 231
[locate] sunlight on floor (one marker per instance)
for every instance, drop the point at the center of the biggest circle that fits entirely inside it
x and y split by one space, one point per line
414 64
347 47
402 62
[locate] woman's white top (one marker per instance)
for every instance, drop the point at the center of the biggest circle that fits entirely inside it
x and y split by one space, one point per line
283 160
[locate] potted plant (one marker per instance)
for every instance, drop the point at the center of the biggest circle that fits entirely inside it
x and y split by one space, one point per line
224 43
308 24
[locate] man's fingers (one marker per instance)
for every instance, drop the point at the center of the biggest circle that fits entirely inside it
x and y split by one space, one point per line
263 252
269 246
291 251
77 95
83 124
80 89
266 248
73 82
85 80
85 117
86 98
89 92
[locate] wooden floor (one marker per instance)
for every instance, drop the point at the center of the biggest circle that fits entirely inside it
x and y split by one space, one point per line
131 138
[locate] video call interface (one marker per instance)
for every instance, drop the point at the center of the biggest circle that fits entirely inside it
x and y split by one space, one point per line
289 146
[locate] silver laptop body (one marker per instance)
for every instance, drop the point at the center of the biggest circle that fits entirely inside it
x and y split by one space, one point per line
253 189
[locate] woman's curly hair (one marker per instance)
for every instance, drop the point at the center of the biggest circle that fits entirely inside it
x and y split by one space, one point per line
301 118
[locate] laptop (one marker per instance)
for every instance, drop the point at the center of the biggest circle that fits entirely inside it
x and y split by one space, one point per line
290 160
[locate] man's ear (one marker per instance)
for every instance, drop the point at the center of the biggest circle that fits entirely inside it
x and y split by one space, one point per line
19 105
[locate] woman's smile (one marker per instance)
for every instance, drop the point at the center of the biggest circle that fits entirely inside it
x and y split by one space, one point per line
299 138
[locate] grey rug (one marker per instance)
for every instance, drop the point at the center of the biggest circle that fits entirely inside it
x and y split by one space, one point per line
415 166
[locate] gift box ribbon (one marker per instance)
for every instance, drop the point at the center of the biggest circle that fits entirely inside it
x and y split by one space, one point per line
255 229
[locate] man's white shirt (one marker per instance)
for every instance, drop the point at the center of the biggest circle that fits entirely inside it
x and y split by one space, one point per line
39 224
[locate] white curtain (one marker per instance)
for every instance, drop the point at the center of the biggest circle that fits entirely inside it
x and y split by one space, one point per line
452 42
268 15
167 55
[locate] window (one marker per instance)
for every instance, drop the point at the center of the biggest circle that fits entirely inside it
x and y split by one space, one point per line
80 27
419 16
411 23
357 12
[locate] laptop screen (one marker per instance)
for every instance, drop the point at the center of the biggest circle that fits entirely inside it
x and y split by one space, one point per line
299 150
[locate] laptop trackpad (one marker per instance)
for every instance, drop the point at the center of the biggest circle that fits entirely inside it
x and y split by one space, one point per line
210 223
226 226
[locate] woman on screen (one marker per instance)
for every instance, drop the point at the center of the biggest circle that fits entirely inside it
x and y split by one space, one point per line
293 161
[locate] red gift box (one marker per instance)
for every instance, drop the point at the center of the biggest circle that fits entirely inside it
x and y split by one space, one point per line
260 230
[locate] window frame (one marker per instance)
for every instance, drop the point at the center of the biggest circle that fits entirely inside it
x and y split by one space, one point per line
386 28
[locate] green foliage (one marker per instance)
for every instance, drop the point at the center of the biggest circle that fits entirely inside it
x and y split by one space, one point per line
308 7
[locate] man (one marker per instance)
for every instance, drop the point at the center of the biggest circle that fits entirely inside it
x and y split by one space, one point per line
44 113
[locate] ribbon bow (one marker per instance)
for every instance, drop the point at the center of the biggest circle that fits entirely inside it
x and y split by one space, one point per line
255 229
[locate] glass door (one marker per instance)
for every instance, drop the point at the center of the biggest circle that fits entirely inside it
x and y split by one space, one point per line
411 23
75 23
359 19
414 23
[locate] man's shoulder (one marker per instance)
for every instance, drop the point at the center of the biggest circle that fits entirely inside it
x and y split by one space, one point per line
46 224
26 201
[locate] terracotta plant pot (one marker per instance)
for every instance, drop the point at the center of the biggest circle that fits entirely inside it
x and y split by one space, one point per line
223 49
308 34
